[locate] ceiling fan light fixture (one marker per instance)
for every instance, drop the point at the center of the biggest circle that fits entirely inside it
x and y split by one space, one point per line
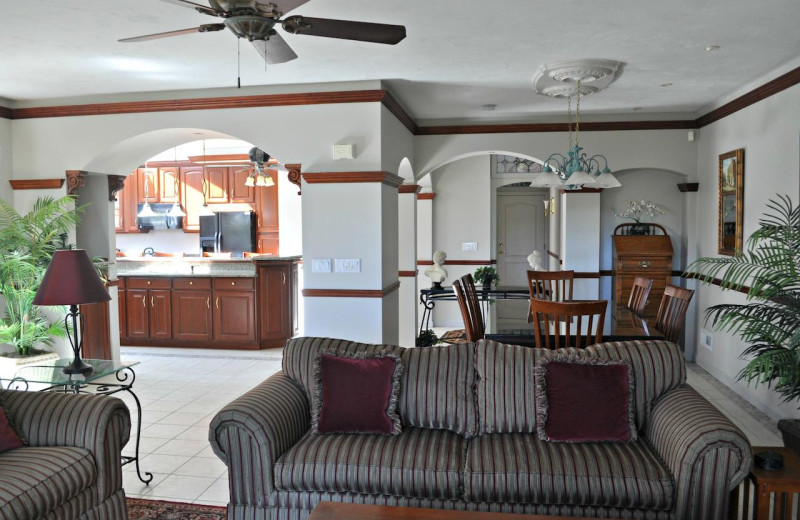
268 180
250 27
250 182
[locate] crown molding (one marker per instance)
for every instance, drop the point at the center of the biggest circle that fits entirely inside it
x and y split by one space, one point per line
409 188
352 177
36 184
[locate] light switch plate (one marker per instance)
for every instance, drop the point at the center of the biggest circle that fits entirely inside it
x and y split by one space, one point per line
348 265
320 265
707 339
469 246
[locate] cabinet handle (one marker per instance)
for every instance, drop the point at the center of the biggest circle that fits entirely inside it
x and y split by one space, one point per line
233 283
217 302
148 282
284 278
144 302
191 283
152 301
208 302
644 263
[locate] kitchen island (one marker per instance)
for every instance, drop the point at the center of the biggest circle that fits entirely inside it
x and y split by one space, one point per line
208 302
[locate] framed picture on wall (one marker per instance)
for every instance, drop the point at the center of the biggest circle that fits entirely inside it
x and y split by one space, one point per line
731 201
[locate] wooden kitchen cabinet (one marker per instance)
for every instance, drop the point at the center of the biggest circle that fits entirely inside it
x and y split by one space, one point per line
192 193
126 206
122 307
642 255
276 301
149 182
169 185
267 243
217 185
267 206
191 309
148 308
237 176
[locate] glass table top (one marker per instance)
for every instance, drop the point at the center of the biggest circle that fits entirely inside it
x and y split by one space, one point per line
51 372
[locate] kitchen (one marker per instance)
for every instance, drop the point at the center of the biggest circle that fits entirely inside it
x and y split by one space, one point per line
200 258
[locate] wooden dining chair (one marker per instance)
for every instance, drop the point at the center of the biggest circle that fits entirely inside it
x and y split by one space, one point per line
672 311
470 306
640 292
568 324
555 286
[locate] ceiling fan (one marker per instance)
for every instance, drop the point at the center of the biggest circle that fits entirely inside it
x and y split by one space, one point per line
255 20
260 163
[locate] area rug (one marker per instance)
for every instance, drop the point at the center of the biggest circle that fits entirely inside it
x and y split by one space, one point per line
454 337
139 509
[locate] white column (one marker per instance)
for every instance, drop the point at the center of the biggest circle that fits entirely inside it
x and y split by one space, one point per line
580 239
407 263
351 216
424 241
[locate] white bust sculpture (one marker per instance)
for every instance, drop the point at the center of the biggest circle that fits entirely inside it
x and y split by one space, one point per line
535 260
436 272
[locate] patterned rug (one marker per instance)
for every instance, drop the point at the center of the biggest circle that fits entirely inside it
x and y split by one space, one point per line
139 509
454 337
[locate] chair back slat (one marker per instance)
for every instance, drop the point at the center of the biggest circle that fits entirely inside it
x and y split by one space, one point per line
640 292
568 320
672 311
551 285
470 306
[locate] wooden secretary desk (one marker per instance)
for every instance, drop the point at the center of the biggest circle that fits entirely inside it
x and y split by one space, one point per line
642 255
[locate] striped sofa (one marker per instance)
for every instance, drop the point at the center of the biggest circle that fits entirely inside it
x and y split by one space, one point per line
70 468
469 441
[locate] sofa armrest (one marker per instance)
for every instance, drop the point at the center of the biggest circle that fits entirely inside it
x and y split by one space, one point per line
99 424
706 453
250 433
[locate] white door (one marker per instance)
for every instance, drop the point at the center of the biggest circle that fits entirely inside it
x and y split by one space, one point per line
521 228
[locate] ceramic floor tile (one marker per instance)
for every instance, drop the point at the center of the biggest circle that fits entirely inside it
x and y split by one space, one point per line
160 463
163 405
146 445
182 418
208 452
168 431
217 492
195 433
181 487
182 447
201 467
136 488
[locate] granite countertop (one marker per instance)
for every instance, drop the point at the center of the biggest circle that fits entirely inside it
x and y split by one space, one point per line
193 266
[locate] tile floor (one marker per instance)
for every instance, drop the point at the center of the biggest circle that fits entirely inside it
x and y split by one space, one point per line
181 390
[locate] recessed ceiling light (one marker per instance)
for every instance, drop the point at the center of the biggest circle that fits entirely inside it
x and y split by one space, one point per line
666 84
488 106
712 48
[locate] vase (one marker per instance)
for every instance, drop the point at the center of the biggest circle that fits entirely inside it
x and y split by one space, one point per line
639 229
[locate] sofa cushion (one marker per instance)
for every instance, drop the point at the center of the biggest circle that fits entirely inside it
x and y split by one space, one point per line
356 394
300 354
417 463
437 389
506 386
520 468
658 367
34 481
9 439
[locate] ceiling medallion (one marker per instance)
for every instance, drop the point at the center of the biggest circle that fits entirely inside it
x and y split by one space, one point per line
565 91
599 73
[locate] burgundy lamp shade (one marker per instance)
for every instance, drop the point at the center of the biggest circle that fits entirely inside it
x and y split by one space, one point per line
71 279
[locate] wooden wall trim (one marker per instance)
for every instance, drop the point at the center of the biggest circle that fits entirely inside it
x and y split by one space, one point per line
387 178
584 190
6 113
36 184
554 255
688 187
408 273
76 179
459 262
766 90
409 188
586 274
206 103
716 281
393 106
351 293
426 196
555 127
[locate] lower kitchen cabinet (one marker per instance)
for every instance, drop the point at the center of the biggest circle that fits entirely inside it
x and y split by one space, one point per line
277 301
234 316
191 315
148 308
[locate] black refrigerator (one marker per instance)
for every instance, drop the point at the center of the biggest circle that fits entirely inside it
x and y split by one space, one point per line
233 231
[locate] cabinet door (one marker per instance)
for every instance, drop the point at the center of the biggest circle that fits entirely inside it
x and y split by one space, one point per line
169 184
236 188
267 206
191 315
267 243
192 186
138 312
123 313
234 316
217 185
149 186
274 302
160 313
126 206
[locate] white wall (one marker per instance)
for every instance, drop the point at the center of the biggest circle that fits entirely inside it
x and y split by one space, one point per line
6 193
290 217
166 241
769 132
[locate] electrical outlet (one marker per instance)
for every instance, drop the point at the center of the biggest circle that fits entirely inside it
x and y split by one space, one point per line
707 339
348 265
320 265
469 246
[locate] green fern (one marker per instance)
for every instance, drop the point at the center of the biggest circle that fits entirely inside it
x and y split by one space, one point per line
770 321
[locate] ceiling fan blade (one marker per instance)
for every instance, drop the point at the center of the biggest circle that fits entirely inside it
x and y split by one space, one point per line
209 27
199 7
275 50
345 29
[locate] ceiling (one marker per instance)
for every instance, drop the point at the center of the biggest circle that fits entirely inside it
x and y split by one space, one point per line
458 55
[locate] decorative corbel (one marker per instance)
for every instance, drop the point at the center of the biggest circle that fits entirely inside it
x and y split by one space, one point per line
115 185
294 175
76 179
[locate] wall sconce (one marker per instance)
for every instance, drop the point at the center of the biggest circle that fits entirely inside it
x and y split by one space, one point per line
546 207
553 206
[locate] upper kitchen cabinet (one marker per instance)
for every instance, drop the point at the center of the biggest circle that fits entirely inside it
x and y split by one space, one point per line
169 185
149 185
125 208
267 206
192 193
236 188
217 185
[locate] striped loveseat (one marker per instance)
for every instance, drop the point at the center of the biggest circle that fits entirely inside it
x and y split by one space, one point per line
469 441
70 468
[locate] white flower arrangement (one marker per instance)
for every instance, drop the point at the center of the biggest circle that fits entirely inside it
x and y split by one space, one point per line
636 210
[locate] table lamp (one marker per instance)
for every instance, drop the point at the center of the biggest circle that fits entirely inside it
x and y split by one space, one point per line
71 279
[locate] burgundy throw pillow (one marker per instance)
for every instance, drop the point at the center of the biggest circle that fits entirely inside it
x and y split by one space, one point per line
585 400
9 439
356 394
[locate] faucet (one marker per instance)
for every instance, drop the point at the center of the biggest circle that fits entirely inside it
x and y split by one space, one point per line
149 251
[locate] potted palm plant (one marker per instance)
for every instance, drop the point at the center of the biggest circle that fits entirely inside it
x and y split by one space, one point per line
770 320
27 243
486 275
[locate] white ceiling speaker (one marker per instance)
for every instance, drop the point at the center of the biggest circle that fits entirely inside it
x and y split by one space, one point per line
555 79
